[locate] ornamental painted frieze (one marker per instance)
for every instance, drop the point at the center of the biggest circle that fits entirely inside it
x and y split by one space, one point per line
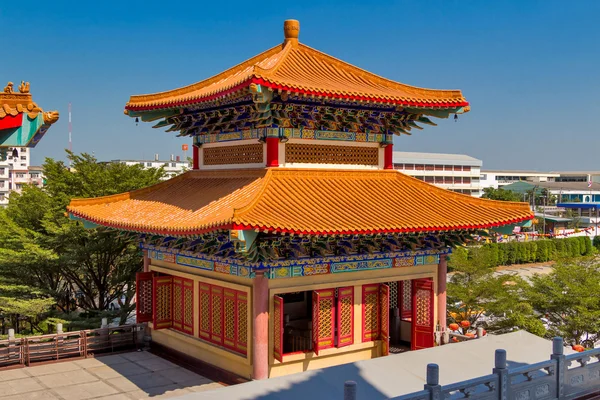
292 133
300 267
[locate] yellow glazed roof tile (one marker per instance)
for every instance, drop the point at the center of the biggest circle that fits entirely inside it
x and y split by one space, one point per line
298 201
298 68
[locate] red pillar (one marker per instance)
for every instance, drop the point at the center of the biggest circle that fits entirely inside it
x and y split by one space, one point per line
388 155
441 291
196 157
260 328
146 261
272 152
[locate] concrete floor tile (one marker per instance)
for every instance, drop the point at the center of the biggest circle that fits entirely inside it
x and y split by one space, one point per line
52 368
156 364
118 396
139 355
181 375
144 381
13 374
112 359
67 378
85 391
40 395
19 386
117 370
160 392
204 387
89 363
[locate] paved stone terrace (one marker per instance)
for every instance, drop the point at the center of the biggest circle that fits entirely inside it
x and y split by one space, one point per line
135 375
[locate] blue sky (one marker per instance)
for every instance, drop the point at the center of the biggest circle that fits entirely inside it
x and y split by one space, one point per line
529 68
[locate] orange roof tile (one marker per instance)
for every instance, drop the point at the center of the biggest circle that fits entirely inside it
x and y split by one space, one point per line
296 200
298 68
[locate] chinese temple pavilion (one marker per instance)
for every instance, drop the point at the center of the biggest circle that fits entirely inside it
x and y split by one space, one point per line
22 121
293 244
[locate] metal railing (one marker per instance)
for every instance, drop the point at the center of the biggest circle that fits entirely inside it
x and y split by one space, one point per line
81 344
562 377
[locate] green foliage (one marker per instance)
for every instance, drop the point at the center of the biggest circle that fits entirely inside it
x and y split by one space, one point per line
501 194
596 242
509 253
569 298
40 247
474 290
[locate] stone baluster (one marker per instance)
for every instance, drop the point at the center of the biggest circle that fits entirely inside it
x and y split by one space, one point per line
433 381
561 366
500 369
349 390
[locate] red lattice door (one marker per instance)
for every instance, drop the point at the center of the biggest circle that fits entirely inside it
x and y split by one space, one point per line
345 316
204 311
422 314
278 328
143 296
323 319
162 305
384 320
216 317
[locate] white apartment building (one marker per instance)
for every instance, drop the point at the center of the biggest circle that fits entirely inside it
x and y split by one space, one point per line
457 172
15 172
173 167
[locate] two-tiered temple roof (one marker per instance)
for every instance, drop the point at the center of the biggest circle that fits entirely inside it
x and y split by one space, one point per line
338 120
301 201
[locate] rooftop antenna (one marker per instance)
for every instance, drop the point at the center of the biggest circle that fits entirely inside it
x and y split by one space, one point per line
70 132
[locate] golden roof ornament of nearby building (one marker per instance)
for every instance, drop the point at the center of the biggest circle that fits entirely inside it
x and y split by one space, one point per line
13 103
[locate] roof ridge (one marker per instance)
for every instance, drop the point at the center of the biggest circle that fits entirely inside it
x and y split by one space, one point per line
363 73
237 212
283 54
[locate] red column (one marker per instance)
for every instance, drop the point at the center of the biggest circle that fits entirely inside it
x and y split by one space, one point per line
146 261
441 291
388 155
260 328
196 157
272 152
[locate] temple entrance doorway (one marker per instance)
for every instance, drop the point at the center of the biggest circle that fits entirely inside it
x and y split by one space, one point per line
411 325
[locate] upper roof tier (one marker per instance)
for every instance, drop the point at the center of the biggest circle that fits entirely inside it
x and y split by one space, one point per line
303 201
22 121
296 68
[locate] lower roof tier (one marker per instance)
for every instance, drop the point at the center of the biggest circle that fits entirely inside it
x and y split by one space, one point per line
302 201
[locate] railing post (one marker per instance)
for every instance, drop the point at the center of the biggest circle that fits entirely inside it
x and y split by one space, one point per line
11 343
433 382
501 370
561 366
349 390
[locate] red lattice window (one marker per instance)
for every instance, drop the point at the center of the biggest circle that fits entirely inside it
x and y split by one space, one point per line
143 289
278 328
370 309
183 305
224 317
162 305
345 316
323 319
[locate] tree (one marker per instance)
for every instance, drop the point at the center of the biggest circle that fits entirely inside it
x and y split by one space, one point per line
477 294
569 297
58 255
501 194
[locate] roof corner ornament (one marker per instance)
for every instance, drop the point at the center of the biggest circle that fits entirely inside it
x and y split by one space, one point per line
24 87
9 88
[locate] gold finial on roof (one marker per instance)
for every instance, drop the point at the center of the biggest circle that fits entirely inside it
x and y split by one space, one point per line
291 29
